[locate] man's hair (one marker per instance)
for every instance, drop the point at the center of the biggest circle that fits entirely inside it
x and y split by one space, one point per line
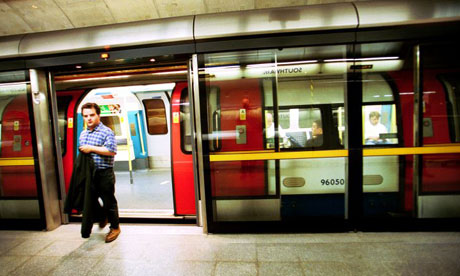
374 114
318 123
91 106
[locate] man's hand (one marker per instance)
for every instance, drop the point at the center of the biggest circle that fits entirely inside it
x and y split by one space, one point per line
86 149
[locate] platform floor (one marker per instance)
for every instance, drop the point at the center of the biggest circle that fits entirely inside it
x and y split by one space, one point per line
151 190
145 249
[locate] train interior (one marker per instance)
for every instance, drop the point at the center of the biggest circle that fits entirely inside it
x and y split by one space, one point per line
136 103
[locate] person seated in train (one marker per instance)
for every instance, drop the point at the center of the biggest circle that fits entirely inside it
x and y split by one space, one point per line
270 133
373 128
316 139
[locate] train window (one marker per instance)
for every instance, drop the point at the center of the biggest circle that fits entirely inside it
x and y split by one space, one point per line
113 122
185 124
156 116
379 124
16 181
63 104
298 128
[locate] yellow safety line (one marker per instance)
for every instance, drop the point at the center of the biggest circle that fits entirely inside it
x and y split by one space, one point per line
266 155
413 150
25 161
278 155
244 152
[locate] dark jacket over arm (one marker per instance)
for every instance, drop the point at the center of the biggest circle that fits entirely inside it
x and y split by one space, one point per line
82 195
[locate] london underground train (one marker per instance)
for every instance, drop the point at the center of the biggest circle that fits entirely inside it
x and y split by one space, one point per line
271 117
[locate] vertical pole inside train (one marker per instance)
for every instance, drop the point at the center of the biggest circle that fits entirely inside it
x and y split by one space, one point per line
418 128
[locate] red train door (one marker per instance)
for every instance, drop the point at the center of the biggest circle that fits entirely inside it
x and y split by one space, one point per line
67 102
181 159
236 112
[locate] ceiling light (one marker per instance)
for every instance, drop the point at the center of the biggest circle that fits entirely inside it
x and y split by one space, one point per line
105 56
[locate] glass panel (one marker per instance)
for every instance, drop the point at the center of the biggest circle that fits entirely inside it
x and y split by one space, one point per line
156 116
387 81
276 100
312 187
185 127
63 104
18 187
440 187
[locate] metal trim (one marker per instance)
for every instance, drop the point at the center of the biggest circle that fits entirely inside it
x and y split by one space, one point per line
197 134
45 149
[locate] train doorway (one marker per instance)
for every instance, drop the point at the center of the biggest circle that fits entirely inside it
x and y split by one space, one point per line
147 108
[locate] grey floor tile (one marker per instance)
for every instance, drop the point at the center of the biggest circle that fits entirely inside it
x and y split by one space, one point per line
92 248
280 269
61 248
277 253
37 266
181 252
29 247
329 268
235 268
119 267
192 268
10 263
237 252
330 251
8 244
75 266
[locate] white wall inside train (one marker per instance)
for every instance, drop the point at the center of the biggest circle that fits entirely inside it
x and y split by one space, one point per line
130 99
159 146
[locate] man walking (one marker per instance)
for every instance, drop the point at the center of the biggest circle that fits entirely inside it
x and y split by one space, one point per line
99 141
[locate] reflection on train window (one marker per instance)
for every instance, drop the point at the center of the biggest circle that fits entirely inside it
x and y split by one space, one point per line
63 104
214 120
113 122
451 83
298 128
379 123
185 127
338 117
376 89
156 116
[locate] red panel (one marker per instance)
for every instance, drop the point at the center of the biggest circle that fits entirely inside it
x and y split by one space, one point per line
440 172
17 180
182 164
68 158
240 178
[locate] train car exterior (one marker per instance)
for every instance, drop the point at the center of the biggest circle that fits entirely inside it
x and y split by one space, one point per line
328 114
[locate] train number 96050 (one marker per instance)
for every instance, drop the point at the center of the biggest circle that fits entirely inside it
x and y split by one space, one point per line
337 181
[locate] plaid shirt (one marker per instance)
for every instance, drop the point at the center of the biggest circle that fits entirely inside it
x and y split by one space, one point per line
100 136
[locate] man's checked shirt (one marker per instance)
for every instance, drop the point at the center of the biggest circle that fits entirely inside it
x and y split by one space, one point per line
100 136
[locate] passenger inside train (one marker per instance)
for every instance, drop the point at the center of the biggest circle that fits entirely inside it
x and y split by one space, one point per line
373 129
270 133
316 139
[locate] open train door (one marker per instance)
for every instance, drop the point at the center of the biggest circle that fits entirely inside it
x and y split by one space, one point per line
181 152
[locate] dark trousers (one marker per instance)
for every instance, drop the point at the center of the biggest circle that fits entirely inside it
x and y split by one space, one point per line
104 182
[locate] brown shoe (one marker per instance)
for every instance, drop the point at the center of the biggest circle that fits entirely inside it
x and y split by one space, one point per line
112 235
103 223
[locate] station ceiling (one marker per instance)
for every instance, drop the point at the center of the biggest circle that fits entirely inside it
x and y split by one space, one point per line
32 16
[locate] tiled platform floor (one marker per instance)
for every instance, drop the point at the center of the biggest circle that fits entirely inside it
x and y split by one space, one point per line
184 250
